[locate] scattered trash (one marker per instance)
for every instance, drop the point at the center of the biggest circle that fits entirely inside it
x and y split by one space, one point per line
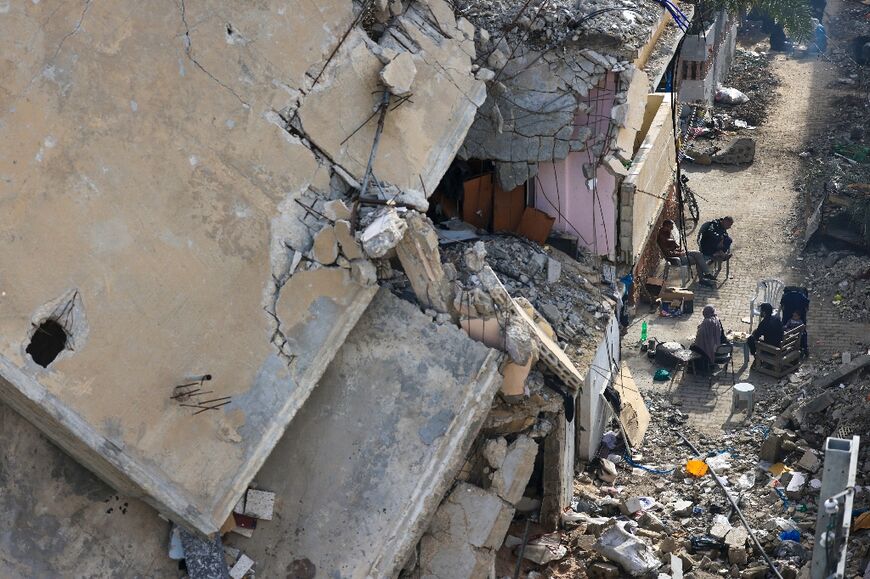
619 545
697 468
662 375
730 96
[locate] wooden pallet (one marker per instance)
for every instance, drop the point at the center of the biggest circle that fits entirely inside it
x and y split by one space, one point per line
779 361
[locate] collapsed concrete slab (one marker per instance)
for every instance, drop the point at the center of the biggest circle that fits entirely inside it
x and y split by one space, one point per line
363 467
163 317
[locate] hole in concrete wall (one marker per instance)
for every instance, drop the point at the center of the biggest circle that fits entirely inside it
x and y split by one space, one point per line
47 342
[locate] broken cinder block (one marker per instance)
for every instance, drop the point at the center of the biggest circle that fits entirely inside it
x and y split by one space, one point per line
242 567
383 234
259 504
399 74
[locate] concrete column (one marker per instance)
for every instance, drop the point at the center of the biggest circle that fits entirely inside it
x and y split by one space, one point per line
841 463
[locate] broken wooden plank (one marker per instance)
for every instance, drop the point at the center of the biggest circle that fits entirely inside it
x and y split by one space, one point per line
829 380
634 415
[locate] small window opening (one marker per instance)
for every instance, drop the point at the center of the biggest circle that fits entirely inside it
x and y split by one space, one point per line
47 342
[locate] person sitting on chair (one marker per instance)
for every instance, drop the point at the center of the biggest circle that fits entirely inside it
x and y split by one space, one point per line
769 329
796 321
709 337
671 249
713 239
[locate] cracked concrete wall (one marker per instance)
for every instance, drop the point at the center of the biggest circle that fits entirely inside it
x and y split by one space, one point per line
148 165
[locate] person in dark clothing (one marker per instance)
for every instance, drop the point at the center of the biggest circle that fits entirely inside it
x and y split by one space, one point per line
670 248
709 337
796 301
713 238
769 329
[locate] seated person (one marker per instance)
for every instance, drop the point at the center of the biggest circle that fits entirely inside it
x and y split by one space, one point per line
713 239
671 249
769 329
796 321
709 337
795 302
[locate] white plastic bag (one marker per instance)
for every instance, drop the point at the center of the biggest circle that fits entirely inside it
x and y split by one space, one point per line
730 96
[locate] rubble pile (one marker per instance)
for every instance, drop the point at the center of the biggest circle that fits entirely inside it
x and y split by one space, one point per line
841 278
624 25
656 508
835 159
750 74
561 288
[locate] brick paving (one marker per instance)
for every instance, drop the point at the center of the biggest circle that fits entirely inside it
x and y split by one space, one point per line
763 201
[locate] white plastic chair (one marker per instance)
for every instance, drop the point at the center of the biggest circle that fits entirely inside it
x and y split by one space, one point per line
767 291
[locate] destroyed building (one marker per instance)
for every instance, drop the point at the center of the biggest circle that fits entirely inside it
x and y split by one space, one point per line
209 197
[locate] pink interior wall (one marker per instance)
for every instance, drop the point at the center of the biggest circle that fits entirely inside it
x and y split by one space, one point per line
561 189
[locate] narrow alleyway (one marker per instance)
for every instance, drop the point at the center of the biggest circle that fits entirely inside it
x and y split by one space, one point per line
765 204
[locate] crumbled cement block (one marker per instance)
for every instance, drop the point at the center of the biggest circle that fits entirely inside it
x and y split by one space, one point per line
631 505
475 257
242 566
771 448
363 272
350 247
383 234
603 571
399 74
421 259
259 504
736 537
809 462
495 451
554 270
596 525
336 209
478 516
511 479
444 557
683 508
738 555
518 341
325 249
721 527
541 554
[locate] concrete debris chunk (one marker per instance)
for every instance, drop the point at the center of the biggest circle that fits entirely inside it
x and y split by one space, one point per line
350 247
325 249
495 451
408 197
737 537
683 508
421 259
603 571
242 567
510 481
475 257
336 209
632 554
809 462
721 527
399 74
544 550
383 234
259 504
518 341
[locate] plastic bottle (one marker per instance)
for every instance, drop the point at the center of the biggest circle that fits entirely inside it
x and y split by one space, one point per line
643 330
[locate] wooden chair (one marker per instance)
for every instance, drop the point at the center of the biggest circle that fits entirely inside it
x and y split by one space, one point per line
779 361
